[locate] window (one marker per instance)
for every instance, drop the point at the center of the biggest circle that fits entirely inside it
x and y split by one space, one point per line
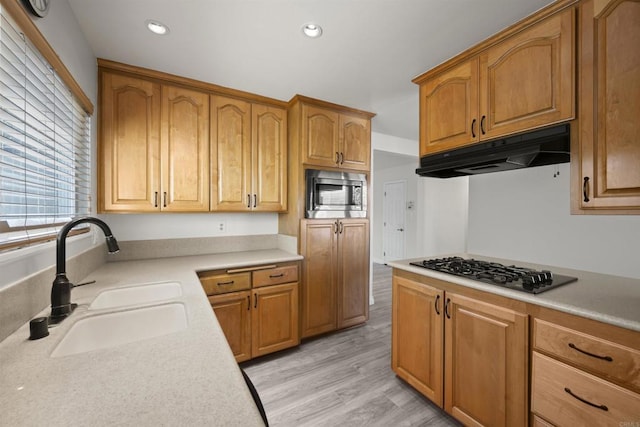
45 144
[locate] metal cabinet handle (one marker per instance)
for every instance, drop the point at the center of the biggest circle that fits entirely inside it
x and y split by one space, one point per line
255 301
341 158
473 128
607 358
164 199
482 124
255 200
248 200
337 158
155 199
341 227
446 308
275 276
248 302
335 227
225 283
436 304
399 229
585 189
603 407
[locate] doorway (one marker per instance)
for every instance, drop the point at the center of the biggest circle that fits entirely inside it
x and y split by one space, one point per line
393 220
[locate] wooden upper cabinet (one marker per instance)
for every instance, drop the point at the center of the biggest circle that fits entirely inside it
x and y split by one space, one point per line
522 82
355 142
334 136
486 363
185 150
129 144
449 109
527 81
321 132
230 154
248 156
269 157
608 145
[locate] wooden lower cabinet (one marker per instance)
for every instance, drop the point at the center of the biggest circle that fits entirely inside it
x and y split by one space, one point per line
584 372
234 316
468 356
336 274
261 319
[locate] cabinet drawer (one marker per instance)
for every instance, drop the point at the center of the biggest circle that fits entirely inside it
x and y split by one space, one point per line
613 361
274 276
217 282
567 396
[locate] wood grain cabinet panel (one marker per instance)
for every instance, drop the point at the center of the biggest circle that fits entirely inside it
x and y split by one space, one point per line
234 316
468 356
154 146
608 146
249 157
335 139
567 396
486 363
417 336
274 318
521 82
129 144
335 293
262 319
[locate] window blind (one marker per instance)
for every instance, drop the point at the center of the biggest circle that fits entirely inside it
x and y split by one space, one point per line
45 145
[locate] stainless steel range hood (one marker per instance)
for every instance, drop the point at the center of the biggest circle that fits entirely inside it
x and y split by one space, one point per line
536 148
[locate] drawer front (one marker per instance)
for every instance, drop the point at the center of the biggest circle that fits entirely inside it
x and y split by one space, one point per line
615 362
567 396
275 276
222 283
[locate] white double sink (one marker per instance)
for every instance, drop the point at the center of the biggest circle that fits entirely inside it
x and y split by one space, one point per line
125 315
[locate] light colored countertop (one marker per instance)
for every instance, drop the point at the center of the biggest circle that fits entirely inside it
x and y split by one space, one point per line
610 299
183 378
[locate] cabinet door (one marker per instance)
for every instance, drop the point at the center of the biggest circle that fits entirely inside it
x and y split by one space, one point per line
486 364
129 144
449 109
319 246
185 150
527 81
355 147
353 270
416 336
269 158
234 316
320 136
230 154
274 319
609 139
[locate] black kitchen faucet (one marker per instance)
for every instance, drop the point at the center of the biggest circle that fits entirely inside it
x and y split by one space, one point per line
61 305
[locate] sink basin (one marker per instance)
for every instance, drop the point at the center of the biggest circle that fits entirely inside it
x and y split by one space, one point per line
122 327
136 295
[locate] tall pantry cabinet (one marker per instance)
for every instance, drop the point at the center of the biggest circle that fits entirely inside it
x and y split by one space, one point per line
335 273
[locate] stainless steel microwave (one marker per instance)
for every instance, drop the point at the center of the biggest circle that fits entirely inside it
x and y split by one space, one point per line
335 194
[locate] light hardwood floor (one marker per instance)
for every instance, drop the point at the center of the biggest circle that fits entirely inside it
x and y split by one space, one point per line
344 378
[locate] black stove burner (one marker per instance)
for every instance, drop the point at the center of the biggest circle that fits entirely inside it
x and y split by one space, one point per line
512 277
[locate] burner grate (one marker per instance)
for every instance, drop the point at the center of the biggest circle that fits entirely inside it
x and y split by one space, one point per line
513 277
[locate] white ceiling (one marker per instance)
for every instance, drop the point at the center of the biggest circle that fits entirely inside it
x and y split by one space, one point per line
366 58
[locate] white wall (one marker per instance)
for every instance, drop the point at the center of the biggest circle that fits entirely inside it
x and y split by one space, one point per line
525 215
173 226
443 208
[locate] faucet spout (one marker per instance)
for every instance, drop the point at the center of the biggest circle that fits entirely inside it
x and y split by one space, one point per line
61 305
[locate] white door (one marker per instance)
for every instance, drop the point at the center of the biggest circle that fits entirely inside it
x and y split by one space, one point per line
393 217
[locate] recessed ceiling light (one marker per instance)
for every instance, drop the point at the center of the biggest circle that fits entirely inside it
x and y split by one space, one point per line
312 30
157 27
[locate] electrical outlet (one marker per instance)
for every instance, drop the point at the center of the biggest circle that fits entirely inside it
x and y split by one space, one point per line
222 226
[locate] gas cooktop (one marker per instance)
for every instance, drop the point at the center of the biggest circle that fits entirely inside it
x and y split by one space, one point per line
512 277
